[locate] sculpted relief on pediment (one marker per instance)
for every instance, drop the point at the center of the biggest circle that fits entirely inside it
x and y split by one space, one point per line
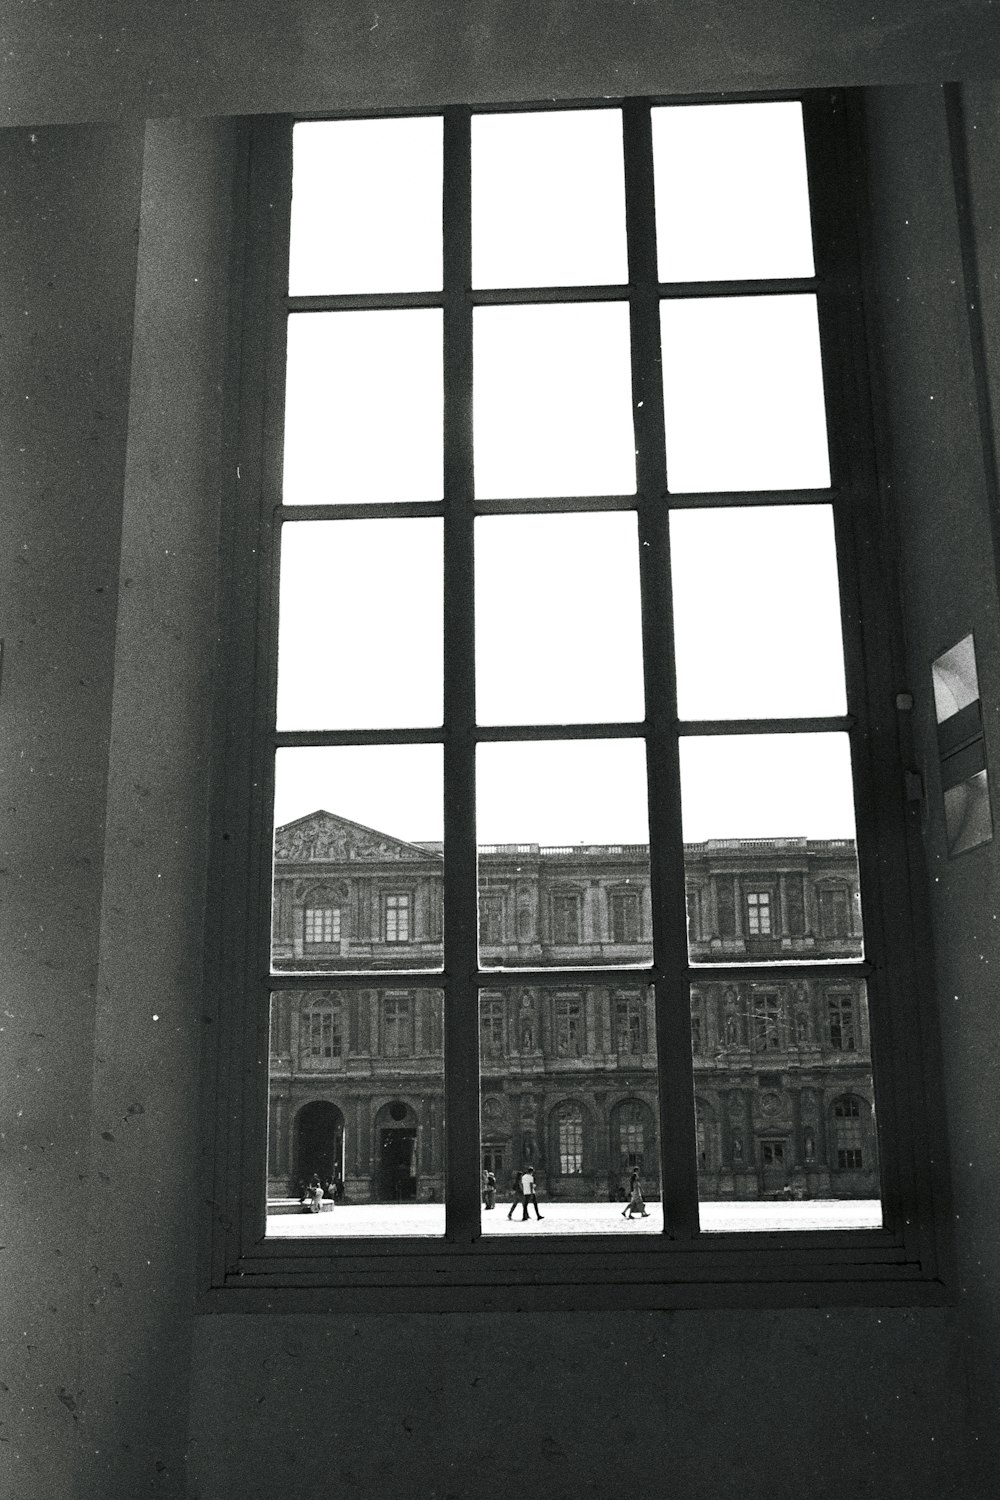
327 838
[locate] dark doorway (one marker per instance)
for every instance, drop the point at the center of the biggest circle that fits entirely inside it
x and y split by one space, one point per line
772 1160
397 1178
319 1132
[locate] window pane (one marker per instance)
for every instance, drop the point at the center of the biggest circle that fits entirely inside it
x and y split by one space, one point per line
548 199
558 632
743 394
359 831
732 199
342 663
769 851
955 679
569 1093
366 206
564 840
552 394
785 1105
356 1132
364 407
768 644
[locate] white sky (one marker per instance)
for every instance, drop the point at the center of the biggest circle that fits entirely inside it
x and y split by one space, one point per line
557 635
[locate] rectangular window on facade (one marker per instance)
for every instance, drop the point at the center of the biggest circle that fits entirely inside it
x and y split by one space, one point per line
490 918
725 900
628 1025
758 905
322 924
492 1021
569 1026
767 1023
323 1036
626 916
566 919
397 919
834 911
543 426
795 905
397 1026
840 1012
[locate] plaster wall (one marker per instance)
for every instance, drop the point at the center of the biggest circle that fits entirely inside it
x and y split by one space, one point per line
111 59
69 213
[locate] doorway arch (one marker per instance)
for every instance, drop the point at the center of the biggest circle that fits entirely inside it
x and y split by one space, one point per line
319 1143
396 1158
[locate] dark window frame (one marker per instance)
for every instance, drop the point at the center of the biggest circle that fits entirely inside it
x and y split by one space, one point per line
684 1267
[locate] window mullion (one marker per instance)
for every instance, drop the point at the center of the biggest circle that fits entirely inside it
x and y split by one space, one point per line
460 905
673 1041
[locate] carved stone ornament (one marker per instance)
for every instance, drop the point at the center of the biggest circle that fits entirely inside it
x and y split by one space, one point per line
322 836
769 1104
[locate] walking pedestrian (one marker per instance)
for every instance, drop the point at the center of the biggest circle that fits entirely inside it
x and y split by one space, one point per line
489 1189
636 1203
527 1194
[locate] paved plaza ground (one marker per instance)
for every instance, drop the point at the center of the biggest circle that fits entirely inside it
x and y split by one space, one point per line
427 1219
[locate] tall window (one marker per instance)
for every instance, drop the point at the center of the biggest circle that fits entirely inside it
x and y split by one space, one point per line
544 411
492 1022
626 917
631 1137
397 1026
321 1038
758 913
322 924
490 918
565 918
834 911
840 1013
848 1132
767 1023
569 1026
397 919
628 1025
570 1131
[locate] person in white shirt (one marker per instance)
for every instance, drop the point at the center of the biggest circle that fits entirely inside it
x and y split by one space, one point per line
525 1194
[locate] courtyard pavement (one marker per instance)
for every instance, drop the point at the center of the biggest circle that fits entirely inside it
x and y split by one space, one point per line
364 1221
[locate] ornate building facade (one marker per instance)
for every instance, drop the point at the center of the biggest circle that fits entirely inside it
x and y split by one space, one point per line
782 1066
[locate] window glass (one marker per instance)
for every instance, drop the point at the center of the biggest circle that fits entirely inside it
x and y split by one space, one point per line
571 650
548 199
563 825
359 624
356 1141
732 199
358 832
569 1096
552 402
770 646
363 407
743 394
366 206
768 825
786 1135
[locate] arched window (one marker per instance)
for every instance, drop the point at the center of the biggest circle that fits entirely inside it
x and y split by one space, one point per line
569 1130
632 1136
321 924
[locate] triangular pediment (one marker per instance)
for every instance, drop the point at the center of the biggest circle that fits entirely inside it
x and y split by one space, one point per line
323 836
